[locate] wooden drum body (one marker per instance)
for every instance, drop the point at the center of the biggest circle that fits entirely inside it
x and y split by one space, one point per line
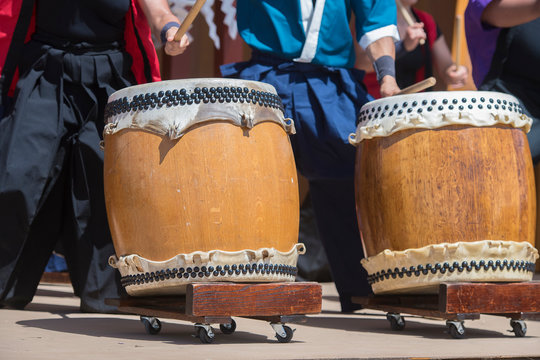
445 190
200 185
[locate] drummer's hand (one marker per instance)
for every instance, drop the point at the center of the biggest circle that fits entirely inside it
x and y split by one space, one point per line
172 47
389 86
413 35
456 76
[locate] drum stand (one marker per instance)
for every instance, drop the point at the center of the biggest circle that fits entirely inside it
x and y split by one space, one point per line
214 303
457 302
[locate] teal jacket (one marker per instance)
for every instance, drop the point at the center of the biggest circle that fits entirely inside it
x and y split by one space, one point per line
318 33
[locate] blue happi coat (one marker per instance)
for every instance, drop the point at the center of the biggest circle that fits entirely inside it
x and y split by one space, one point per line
320 33
305 49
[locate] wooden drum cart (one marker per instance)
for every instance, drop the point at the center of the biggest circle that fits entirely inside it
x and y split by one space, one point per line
457 302
215 303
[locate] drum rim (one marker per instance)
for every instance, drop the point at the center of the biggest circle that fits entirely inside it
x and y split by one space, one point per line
433 94
193 83
432 110
172 107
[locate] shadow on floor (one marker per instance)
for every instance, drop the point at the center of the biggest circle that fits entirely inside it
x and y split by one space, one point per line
132 329
54 293
377 323
334 298
72 321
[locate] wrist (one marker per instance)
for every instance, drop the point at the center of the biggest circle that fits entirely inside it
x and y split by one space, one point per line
163 33
384 66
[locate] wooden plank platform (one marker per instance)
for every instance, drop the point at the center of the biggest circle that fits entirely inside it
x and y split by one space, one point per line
55 278
217 302
490 298
265 299
460 301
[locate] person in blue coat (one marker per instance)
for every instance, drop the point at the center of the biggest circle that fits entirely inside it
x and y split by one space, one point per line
305 49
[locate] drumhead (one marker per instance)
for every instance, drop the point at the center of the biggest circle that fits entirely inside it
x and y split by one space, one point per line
431 110
422 270
171 107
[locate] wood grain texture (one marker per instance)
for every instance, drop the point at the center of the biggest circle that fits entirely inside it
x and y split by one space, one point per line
232 299
218 187
419 86
462 301
490 298
457 183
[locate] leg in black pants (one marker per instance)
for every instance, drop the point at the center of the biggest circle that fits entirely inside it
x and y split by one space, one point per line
28 268
334 205
66 216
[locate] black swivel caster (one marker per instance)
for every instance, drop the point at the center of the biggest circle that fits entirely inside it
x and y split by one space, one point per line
205 333
152 324
456 329
284 334
397 322
519 328
228 328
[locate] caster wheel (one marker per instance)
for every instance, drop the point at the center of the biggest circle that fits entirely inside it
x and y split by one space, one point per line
288 335
204 336
519 328
152 325
456 329
228 328
397 322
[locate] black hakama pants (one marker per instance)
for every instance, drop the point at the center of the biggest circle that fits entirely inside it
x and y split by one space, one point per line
51 170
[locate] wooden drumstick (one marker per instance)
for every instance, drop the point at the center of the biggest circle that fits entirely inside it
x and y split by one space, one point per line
189 19
407 17
457 34
419 86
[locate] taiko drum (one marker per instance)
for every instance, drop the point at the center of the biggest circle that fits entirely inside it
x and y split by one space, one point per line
200 184
445 190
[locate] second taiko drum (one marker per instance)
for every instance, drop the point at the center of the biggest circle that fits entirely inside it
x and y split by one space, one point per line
445 190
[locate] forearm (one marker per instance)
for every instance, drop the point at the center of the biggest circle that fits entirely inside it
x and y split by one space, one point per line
442 58
363 62
383 49
383 46
508 13
158 14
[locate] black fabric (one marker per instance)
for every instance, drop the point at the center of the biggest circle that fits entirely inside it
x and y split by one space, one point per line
51 170
94 21
313 265
514 70
332 201
410 62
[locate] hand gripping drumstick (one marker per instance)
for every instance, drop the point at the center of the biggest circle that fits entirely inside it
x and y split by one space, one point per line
407 17
189 19
419 86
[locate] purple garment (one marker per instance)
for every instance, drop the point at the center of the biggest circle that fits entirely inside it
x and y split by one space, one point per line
481 39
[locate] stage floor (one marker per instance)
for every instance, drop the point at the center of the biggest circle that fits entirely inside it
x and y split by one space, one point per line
52 328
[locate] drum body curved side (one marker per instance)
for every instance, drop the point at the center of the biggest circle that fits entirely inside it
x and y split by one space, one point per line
457 184
219 187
